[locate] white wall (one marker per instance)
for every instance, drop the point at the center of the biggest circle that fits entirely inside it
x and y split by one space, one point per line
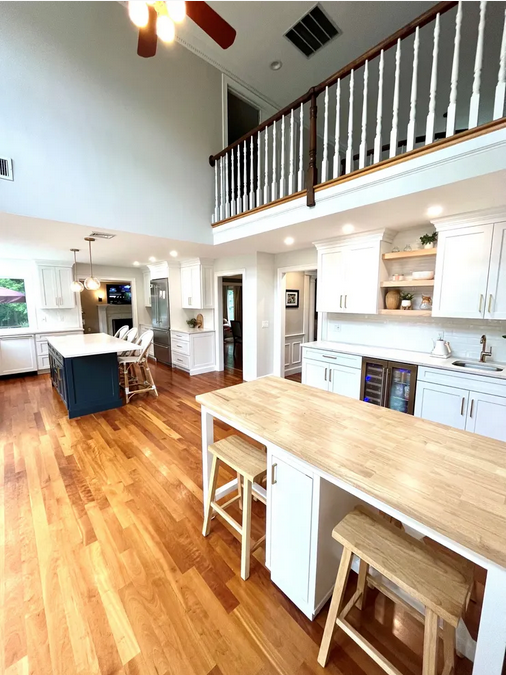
98 135
305 256
294 317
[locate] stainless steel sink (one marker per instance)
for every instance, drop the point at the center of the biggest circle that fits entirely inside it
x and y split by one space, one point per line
477 366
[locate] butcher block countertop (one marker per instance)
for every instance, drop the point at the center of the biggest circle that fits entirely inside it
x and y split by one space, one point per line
449 480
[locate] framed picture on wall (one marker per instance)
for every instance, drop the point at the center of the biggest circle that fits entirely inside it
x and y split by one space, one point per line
292 299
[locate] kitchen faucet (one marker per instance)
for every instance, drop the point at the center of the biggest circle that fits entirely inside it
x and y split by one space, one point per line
484 354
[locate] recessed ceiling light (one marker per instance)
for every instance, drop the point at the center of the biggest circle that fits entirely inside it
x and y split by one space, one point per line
276 65
173 254
348 228
289 241
136 263
152 259
434 211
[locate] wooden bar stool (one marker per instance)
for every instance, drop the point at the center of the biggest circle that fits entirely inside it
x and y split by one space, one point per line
251 465
442 584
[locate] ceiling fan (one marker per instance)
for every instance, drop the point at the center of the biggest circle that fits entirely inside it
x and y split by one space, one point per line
157 20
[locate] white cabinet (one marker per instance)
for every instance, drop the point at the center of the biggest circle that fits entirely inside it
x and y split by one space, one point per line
146 282
41 347
332 371
362 279
193 352
314 374
55 291
17 354
345 381
438 403
196 284
331 281
471 272
487 415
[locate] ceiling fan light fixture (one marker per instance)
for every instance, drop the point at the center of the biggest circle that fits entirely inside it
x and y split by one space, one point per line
165 28
138 13
176 10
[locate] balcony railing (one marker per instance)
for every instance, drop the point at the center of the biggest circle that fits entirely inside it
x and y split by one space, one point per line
442 74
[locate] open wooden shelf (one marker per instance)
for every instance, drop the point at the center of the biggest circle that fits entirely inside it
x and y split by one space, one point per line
412 283
407 312
419 253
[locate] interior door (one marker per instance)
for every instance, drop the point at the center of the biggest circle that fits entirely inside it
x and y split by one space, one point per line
487 415
462 266
315 374
291 509
438 403
361 294
331 282
496 291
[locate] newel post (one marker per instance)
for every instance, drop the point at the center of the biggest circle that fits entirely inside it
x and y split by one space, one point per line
312 171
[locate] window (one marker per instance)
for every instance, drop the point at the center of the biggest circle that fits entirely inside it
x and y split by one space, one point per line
13 309
230 304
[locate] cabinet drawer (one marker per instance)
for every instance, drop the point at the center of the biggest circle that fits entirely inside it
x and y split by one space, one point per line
180 337
180 346
464 380
333 358
180 361
42 348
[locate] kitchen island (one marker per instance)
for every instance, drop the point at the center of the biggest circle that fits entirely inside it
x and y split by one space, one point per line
84 371
442 483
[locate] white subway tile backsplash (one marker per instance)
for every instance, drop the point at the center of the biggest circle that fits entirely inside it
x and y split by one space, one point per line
417 334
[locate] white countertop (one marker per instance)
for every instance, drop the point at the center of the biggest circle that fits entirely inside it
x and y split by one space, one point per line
6 332
406 356
70 346
191 331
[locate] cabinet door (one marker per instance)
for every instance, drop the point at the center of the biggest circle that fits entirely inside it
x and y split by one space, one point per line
291 516
49 294
17 355
147 288
196 286
487 415
207 287
186 287
315 374
496 292
362 279
462 264
67 297
345 381
438 403
331 287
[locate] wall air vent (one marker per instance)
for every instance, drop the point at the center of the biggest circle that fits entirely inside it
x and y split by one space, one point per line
102 235
312 32
6 168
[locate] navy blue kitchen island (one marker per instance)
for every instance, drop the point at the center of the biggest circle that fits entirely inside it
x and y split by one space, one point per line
84 371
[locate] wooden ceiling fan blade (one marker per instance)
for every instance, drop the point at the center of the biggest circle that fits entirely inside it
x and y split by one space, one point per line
146 47
211 23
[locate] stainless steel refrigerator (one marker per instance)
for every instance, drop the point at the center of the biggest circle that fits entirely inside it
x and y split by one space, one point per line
160 320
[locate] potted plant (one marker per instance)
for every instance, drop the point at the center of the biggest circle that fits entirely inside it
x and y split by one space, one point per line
193 323
429 240
406 299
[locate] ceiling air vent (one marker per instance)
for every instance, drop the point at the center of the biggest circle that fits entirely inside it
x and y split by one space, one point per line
6 168
312 32
102 235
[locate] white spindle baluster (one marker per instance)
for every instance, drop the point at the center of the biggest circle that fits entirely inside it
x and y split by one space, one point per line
245 177
325 159
300 181
215 214
282 173
395 108
500 90
274 185
363 142
452 106
227 193
349 149
291 174
222 189
414 86
474 106
233 201
266 165
240 182
259 199
379 110
431 116
252 174
335 172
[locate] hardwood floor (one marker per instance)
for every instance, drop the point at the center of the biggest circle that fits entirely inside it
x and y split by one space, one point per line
103 566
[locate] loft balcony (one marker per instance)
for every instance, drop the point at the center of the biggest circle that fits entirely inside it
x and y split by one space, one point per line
437 83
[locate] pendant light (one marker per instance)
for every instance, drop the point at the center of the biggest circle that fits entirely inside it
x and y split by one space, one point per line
76 286
91 283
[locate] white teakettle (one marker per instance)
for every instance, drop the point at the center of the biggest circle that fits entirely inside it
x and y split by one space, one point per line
441 349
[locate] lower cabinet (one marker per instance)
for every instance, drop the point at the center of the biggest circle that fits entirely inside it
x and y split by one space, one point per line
42 350
332 371
438 403
487 415
193 352
17 354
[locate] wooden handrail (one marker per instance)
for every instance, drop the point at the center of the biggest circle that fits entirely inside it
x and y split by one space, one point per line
401 34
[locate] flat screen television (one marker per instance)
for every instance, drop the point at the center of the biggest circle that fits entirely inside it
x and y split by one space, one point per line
119 294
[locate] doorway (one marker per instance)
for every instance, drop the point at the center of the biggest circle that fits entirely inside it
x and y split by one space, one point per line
232 323
242 116
111 306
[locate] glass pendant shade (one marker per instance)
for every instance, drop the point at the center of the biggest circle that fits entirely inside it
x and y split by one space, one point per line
138 13
76 286
92 284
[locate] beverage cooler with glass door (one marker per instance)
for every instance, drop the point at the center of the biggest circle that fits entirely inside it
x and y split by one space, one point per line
389 384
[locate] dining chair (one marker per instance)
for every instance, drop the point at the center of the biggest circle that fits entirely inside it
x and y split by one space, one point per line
121 332
130 364
131 334
236 332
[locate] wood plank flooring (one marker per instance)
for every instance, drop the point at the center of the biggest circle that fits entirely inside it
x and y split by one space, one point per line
103 568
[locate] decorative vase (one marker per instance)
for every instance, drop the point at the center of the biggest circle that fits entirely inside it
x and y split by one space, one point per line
406 304
393 299
429 245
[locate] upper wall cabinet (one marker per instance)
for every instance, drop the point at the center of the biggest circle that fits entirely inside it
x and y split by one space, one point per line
55 291
471 271
146 285
349 273
197 284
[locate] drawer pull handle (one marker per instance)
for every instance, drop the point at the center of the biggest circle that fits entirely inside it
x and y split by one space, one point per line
341 301
481 303
490 303
325 356
462 406
472 408
326 374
